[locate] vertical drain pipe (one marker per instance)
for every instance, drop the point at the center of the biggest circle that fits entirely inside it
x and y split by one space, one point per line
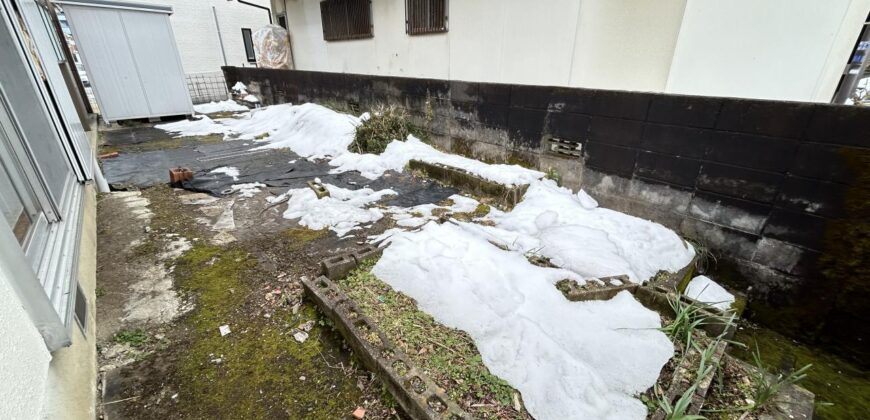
220 38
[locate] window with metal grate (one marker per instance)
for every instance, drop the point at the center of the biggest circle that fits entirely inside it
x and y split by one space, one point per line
425 16
346 19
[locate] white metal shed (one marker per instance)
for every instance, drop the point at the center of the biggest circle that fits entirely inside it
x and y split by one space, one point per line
131 58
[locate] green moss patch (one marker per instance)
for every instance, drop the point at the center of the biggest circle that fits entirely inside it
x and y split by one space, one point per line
447 355
258 370
842 389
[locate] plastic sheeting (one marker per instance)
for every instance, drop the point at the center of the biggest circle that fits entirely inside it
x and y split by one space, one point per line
272 47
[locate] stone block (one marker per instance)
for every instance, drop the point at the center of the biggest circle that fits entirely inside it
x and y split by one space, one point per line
772 118
337 267
611 159
797 228
615 131
692 111
675 140
837 124
750 151
677 171
730 212
812 196
733 181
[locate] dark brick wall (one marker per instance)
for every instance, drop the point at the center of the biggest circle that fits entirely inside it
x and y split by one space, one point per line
765 184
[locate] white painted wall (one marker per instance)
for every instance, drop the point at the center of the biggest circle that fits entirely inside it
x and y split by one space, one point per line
771 49
777 49
197 36
24 359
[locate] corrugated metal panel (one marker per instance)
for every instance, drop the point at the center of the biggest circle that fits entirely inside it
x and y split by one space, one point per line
119 5
132 60
153 46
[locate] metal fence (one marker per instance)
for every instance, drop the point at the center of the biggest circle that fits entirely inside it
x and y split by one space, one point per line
207 87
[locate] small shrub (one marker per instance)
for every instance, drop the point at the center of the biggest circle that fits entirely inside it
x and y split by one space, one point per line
689 317
386 124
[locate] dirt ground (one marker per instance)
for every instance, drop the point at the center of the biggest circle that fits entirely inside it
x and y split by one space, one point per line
174 267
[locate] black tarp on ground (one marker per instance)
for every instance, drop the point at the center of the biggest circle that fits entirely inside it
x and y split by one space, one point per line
271 167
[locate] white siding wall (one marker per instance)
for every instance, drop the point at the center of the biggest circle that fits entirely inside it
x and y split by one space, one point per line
25 359
197 37
771 49
778 49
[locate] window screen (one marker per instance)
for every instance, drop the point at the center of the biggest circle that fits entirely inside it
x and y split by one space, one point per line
425 16
346 19
249 45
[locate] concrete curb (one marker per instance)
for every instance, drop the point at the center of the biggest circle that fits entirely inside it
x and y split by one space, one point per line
418 395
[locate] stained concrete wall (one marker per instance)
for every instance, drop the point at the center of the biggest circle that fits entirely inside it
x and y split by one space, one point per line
770 49
778 190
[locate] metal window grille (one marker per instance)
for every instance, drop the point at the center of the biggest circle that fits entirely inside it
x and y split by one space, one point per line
425 16
346 19
207 87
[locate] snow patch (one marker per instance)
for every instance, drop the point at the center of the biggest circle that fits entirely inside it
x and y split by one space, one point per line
251 98
247 190
201 125
568 359
230 171
704 289
223 106
399 153
342 211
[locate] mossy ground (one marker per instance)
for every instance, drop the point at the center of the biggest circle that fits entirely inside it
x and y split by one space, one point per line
842 390
448 355
262 371
258 370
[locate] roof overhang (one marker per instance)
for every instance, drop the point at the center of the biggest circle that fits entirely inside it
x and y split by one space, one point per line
116 4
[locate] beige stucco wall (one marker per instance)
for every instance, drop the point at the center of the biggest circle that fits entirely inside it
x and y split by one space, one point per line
771 49
24 358
70 391
774 49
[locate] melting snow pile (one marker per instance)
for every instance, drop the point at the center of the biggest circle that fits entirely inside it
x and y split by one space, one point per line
399 153
223 106
201 125
569 360
704 289
309 130
230 171
314 132
593 242
419 215
247 190
342 211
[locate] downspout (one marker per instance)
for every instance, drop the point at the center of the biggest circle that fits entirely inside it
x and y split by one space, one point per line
268 10
220 38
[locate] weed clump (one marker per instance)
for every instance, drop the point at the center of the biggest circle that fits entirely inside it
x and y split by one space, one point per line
386 124
135 338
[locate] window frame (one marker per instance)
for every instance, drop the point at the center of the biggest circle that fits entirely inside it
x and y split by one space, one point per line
343 18
426 30
248 35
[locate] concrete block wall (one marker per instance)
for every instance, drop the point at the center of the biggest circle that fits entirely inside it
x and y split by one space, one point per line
777 190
